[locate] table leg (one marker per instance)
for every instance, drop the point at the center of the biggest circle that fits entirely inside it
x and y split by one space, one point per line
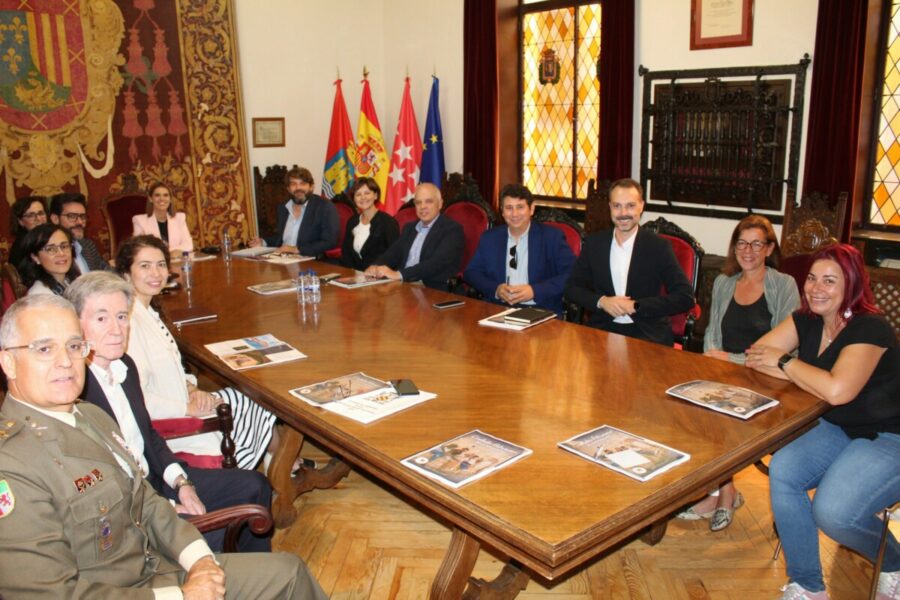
286 487
655 533
453 579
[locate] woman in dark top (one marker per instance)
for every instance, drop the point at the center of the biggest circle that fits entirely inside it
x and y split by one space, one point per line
847 355
370 232
26 214
49 262
749 298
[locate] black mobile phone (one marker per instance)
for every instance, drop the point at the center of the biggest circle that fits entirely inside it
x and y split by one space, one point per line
405 387
448 304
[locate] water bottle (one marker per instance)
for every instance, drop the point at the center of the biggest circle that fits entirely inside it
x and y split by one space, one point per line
187 271
302 297
226 247
315 288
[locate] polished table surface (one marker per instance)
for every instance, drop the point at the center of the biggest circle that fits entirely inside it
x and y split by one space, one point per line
551 511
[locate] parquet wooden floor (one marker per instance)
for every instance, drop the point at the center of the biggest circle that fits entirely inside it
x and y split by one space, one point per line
362 541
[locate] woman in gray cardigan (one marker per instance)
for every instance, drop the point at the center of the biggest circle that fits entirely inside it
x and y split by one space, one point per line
749 298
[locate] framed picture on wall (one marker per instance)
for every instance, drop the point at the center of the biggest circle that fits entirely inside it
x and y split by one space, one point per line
721 24
268 132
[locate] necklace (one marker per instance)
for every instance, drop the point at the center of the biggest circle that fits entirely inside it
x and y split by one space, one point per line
837 329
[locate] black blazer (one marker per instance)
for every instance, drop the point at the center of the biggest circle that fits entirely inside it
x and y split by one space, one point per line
440 257
318 231
653 266
384 231
156 451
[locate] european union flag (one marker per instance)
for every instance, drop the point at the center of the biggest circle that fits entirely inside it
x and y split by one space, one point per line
433 142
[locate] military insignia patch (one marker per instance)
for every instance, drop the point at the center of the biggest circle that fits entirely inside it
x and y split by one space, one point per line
7 500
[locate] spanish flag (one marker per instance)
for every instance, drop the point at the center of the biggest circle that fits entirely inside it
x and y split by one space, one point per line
372 158
340 156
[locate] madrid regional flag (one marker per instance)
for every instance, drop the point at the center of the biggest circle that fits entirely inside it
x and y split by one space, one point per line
406 157
340 155
372 159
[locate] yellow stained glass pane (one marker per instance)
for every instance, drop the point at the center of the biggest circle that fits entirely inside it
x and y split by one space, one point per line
885 206
560 121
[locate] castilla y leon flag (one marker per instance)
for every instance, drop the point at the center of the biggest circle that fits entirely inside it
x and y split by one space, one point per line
433 142
406 157
340 155
371 158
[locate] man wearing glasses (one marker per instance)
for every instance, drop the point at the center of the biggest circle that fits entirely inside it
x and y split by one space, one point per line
621 272
76 518
429 250
523 262
70 211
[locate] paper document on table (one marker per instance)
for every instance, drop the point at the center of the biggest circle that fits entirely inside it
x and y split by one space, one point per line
252 252
729 399
274 287
465 458
359 397
631 455
358 280
256 351
500 320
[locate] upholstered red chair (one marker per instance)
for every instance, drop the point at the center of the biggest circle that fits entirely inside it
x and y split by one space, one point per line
475 220
118 210
346 211
171 429
11 286
406 214
688 253
560 220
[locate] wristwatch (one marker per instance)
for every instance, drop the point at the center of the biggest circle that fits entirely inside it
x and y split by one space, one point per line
184 482
785 359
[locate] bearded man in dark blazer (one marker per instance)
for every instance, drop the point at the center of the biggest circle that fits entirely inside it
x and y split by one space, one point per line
622 272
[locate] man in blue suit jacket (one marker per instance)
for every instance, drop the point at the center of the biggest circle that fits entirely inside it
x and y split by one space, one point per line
621 272
522 262
307 224
429 250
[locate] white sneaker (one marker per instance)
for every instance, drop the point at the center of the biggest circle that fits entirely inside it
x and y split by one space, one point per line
888 586
795 591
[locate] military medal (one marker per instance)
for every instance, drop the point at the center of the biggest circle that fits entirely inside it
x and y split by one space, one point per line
7 500
106 539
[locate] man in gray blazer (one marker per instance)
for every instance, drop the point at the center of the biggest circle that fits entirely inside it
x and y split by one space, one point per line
76 517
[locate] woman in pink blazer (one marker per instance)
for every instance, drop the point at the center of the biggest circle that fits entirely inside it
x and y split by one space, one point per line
163 222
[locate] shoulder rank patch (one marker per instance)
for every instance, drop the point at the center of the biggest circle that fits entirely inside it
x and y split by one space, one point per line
7 500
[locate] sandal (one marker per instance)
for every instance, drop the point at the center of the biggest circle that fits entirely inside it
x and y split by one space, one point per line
721 517
689 514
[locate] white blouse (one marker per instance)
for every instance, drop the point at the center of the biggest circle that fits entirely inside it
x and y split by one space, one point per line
360 236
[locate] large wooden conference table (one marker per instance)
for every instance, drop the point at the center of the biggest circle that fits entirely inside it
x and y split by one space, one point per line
550 513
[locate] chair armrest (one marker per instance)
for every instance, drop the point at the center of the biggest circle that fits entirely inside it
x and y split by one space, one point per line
171 429
255 516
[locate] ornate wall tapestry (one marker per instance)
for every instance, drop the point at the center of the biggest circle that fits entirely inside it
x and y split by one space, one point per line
107 97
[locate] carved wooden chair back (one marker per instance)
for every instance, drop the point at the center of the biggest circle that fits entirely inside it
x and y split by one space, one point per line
815 223
270 192
596 214
569 226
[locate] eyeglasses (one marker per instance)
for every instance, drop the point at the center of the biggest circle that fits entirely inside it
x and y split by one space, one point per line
46 351
513 259
75 216
52 249
34 215
755 245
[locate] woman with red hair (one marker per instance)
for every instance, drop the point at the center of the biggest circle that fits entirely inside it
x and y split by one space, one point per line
847 355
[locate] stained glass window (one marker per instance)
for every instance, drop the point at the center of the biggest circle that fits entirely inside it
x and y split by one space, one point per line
560 100
885 206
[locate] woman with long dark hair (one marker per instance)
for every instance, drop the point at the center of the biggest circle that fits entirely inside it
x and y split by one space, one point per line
48 266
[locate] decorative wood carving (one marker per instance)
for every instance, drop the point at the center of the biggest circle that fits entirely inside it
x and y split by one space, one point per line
270 192
721 142
815 223
596 216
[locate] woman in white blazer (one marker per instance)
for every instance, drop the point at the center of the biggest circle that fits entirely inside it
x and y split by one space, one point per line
163 222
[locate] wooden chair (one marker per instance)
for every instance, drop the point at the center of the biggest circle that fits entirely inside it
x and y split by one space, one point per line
346 210
270 192
233 519
560 220
815 223
885 284
689 253
406 214
475 217
596 213
890 513
117 212
171 429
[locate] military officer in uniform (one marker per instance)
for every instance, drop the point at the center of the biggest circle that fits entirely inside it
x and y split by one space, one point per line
76 518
